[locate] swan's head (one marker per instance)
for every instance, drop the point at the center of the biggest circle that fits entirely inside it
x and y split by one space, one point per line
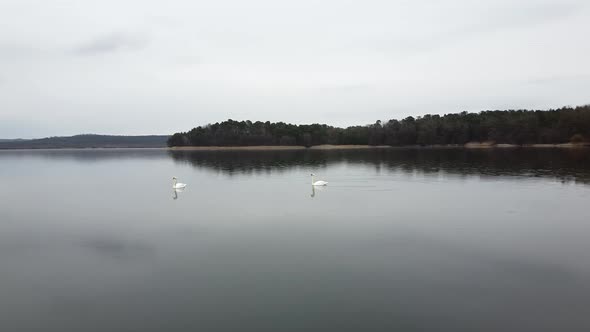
174 178
312 174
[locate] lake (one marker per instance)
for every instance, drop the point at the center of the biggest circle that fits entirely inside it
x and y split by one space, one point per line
399 240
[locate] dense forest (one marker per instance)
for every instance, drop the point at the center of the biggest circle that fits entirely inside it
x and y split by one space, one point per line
501 127
87 141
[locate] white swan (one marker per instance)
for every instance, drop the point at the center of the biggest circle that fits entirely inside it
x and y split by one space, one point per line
177 185
317 183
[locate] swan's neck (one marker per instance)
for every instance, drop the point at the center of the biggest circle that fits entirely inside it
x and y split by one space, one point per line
174 182
312 179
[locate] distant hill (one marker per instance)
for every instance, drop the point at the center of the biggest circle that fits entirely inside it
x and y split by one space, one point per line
12 140
87 141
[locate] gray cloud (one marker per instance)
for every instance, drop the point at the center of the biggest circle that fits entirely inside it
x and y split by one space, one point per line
110 43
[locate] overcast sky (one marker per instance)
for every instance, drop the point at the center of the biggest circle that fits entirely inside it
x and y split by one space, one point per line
151 67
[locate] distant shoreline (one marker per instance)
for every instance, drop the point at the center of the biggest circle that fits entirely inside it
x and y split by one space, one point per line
86 141
472 145
277 147
486 145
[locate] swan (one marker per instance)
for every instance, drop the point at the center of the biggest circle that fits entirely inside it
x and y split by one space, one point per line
177 185
317 183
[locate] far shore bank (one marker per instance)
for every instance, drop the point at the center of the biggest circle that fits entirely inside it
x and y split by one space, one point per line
472 145
487 145
279 147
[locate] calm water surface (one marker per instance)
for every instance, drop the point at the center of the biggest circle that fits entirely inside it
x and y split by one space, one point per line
400 240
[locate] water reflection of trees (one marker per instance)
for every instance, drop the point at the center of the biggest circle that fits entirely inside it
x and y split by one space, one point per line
563 164
246 162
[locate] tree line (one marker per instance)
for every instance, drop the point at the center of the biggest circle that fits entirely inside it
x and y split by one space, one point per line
562 125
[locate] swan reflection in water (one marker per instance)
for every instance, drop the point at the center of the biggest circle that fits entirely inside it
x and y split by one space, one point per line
175 192
314 188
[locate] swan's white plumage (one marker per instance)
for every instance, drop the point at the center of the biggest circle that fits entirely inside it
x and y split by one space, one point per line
177 185
317 183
